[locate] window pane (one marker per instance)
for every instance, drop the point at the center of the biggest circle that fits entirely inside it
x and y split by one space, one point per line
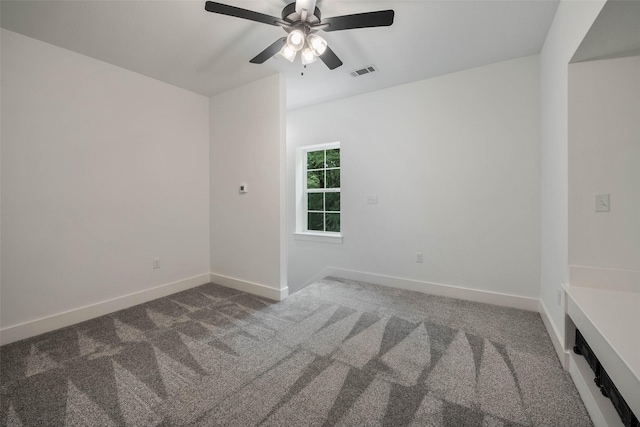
315 159
315 202
333 201
333 178
315 179
333 222
333 158
315 221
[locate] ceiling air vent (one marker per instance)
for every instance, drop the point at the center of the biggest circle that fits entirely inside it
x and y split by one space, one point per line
362 71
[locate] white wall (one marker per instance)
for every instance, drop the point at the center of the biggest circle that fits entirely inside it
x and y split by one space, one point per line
454 161
604 157
102 171
572 21
0 186
247 147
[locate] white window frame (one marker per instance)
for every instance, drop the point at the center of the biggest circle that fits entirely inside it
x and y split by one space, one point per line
301 232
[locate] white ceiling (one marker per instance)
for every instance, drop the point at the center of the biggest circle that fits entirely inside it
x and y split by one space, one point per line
180 43
615 33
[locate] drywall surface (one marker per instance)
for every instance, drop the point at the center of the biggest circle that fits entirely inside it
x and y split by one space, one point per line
604 158
103 170
454 163
0 186
572 21
247 147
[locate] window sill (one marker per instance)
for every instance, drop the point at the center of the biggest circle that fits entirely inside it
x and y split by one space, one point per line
319 237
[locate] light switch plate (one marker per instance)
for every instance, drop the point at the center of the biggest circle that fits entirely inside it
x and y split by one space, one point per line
602 203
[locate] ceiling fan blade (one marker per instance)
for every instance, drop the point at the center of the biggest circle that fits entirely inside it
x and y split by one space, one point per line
225 9
381 18
330 59
270 51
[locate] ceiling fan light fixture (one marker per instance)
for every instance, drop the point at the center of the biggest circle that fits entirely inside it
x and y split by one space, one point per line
308 56
301 20
295 40
288 53
317 44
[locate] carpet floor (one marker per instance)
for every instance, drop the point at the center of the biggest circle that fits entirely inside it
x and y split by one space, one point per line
337 353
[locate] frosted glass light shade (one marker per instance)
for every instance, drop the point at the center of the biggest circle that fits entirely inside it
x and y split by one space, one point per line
308 56
317 44
288 53
295 40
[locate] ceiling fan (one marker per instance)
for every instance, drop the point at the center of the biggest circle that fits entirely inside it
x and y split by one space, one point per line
302 21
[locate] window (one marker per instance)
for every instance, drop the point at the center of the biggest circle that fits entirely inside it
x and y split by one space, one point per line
319 192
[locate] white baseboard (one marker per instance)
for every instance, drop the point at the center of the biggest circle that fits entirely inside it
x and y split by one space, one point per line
556 338
250 287
325 272
506 300
600 409
67 318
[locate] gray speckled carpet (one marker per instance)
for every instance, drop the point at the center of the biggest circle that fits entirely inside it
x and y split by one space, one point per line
336 353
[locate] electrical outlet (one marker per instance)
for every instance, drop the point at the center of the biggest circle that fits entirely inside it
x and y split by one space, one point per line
156 263
559 296
419 257
372 200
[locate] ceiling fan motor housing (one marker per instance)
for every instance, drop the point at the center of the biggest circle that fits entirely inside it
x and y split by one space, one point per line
289 14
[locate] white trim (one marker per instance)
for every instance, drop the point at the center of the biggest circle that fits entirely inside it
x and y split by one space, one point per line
488 297
317 147
318 237
50 323
556 338
600 409
301 224
250 287
325 272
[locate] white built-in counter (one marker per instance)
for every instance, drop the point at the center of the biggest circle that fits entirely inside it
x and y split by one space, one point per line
605 306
